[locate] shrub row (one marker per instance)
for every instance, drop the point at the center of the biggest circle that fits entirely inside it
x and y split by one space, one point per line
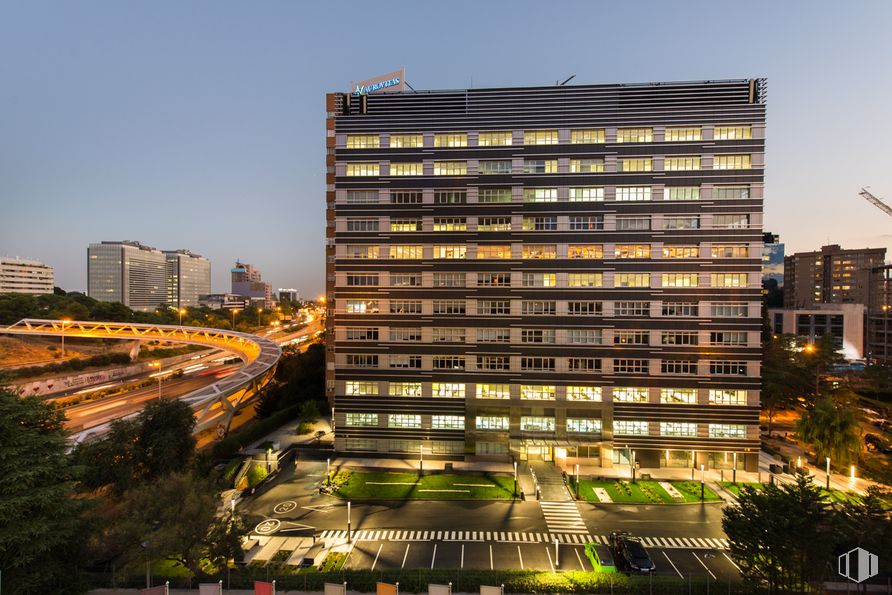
72 365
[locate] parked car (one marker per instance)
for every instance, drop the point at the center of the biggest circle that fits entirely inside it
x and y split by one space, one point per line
628 552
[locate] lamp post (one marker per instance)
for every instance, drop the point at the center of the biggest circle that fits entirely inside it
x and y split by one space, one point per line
828 474
577 481
349 531
421 458
64 322
234 311
259 312
734 470
853 474
633 466
181 311
145 547
702 482
328 471
515 479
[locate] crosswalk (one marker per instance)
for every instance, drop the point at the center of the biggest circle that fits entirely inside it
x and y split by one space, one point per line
563 517
712 543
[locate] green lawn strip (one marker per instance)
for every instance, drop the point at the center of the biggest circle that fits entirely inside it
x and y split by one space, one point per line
643 492
837 496
734 488
365 485
691 491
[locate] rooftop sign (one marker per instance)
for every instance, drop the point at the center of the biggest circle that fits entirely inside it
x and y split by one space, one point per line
392 81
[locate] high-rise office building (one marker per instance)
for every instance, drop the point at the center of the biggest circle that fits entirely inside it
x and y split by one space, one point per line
127 272
830 275
20 275
247 282
567 272
188 277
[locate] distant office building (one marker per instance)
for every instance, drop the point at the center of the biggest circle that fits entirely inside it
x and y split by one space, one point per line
127 272
879 316
18 275
292 295
844 322
772 259
188 278
830 275
246 281
223 301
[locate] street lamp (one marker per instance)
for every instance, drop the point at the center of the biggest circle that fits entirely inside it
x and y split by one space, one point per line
64 322
181 311
515 479
259 312
853 474
234 311
702 482
734 471
828 474
577 481
633 466
349 532
421 458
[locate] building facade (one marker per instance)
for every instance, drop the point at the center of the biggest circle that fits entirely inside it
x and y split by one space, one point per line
830 275
844 322
127 272
247 281
569 273
20 275
188 278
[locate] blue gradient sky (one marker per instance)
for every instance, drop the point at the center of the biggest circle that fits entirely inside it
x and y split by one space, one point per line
201 124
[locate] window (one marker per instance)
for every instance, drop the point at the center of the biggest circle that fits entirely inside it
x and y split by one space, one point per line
623 337
361 360
732 162
737 221
583 364
678 367
588 136
632 251
494 251
679 280
583 393
492 422
733 132
493 362
358 280
403 225
448 335
500 138
403 420
540 137
362 419
406 169
680 309
589 251
448 362
678 428
630 366
490 448
493 335
451 197
493 279
727 396
540 195
729 310
584 308
678 338
494 307
630 394
587 194
586 222
363 141
493 391
537 363
363 169
637 164
682 134
685 222
536 335
449 280
538 392
730 251
405 198
585 279
548 223
681 251
727 368
632 223
451 139
529 423
687 163
448 422
539 251
406 251
449 307
682 193
728 279
360 388
450 168
448 390
450 224
634 135
406 141
362 197
362 333
405 280
722 338
581 425
633 193
450 251
540 166
537 308
637 309
539 279
730 192
735 431
404 389
494 166
586 166
494 195
584 336
631 280
405 361
405 334
362 224
494 224
684 396
630 428
362 306
405 306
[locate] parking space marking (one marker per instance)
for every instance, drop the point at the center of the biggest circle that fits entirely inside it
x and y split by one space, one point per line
406 555
376 556
491 565
578 557
703 565
434 557
462 556
668 559
519 555
731 561
550 563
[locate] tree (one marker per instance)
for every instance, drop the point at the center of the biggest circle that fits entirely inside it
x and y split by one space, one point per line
41 525
300 377
175 518
783 379
866 522
831 426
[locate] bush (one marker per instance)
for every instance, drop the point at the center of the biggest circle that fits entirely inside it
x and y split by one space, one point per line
256 474
229 446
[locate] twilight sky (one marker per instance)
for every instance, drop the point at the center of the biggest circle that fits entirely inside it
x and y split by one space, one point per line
200 124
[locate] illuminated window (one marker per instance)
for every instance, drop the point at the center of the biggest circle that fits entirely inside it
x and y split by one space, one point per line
682 193
679 280
632 251
584 336
583 393
582 425
406 251
678 428
587 194
450 251
681 251
539 251
450 168
632 280
451 139
630 394
586 166
539 279
530 423
406 169
585 279
635 164
405 389
540 137
360 388
493 391
728 279
494 195
590 136
633 193
589 251
540 166
728 396
634 135
500 138
494 166
448 422
733 132
623 427
492 422
540 195
732 162
362 419
730 251
362 306
448 390
538 392
363 141
681 163
403 225
403 420
406 141
363 169
450 224
682 134
686 396
735 431
626 337
486 251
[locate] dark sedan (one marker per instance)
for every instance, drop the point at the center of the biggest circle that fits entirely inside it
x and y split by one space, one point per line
629 553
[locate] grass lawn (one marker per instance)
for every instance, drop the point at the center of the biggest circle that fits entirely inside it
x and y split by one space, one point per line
643 492
735 488
362 485
836 496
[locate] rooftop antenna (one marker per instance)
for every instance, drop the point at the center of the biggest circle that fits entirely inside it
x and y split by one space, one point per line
570 78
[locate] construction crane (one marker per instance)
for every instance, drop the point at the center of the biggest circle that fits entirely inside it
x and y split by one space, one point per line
875 201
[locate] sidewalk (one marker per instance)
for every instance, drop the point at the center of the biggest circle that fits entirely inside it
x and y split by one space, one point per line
287 435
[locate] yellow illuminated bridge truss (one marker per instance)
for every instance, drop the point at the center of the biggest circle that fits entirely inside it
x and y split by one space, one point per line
215 404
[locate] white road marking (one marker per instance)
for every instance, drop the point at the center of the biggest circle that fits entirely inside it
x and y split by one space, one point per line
376 556
731 561
578 557
520 556
673 565
696 557
491 566
434 557
406 555
462 565
550 563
